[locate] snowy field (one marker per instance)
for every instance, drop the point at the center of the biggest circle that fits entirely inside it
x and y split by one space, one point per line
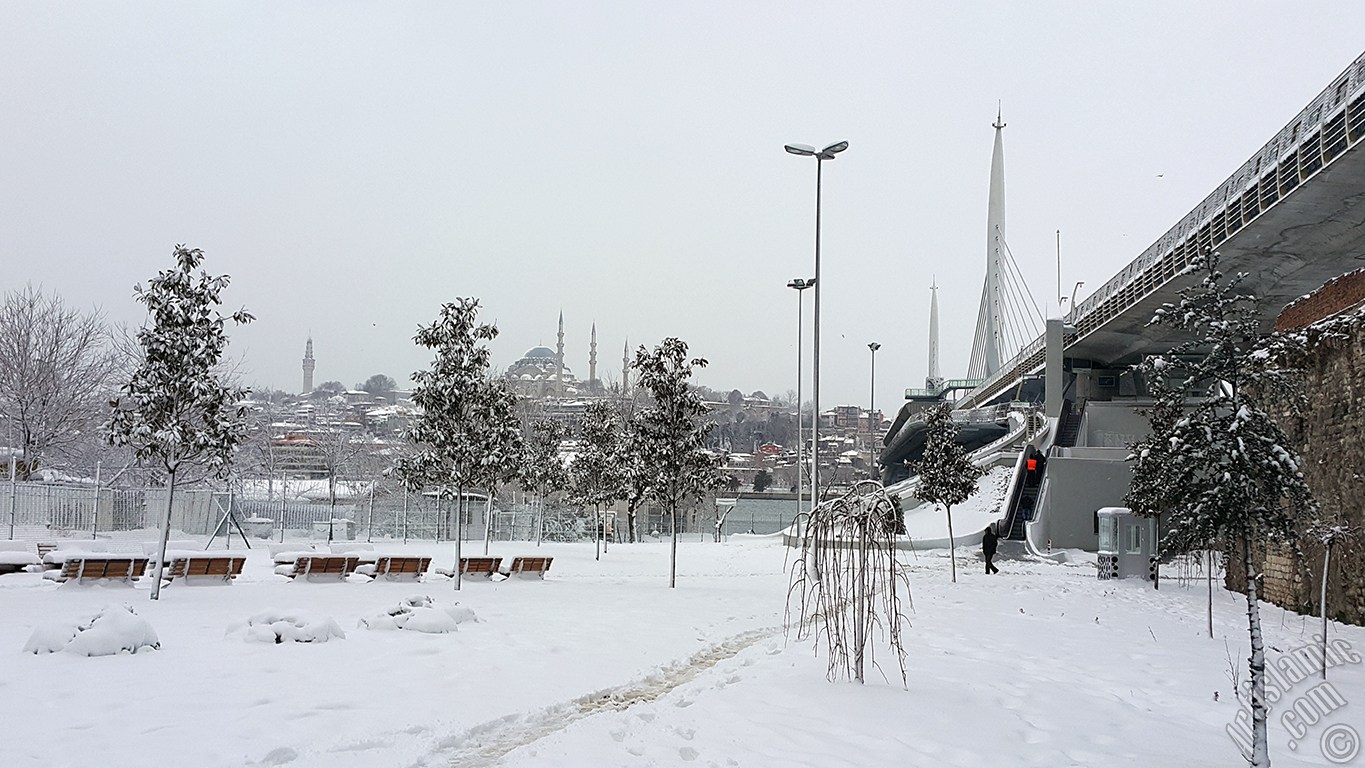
602 665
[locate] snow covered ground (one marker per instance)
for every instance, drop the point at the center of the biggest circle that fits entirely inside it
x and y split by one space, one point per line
602 665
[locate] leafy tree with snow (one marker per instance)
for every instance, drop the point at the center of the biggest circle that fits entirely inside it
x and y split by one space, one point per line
636 473
1227 472
177 410
946 474
597 476
672 434
378 385
458 400
499 439
541 468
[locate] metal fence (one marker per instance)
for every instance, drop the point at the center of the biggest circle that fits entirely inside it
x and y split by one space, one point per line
44 511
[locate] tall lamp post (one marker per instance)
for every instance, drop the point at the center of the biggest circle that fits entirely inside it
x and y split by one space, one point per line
820 155
871 411
800 286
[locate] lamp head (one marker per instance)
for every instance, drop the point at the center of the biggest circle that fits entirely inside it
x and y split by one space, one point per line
800 149
829 152
874 346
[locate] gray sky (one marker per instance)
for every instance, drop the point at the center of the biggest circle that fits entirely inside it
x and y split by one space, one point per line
353 165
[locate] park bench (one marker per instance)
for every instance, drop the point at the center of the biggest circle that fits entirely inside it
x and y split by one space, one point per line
398 568
530 566
17 556
323 567
205 567
95 567
483 566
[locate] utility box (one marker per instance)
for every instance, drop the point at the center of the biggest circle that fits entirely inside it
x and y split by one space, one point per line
338 529
1127 545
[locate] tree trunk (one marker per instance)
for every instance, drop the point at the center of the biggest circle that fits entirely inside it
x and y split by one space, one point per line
1260 749
673 548
540 518
630 524
597 532
952 544
331 506
1209 566
459 521
165 537
487 520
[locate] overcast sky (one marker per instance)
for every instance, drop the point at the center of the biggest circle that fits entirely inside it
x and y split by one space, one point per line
354 165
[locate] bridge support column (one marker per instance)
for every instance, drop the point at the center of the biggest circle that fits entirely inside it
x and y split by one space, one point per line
1053 375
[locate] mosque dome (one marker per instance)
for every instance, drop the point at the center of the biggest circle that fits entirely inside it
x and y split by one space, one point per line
539 352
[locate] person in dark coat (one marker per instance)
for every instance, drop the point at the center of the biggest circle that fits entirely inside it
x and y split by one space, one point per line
988 542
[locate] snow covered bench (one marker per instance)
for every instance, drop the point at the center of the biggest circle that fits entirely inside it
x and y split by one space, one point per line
397 568
96 567
320 567
204 566
152 549
16 556
530 566
487 566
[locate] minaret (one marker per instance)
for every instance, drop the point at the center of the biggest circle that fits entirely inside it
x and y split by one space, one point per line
625 369
986 346
934 380
308 364
559 358
592 358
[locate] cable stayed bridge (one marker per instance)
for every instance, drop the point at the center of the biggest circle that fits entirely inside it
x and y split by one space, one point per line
1291 217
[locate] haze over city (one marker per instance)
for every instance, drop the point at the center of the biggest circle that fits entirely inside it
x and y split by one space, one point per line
354 166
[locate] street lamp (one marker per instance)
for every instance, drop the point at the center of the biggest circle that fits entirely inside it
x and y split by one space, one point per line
871 411
800 286
820 156
1077 287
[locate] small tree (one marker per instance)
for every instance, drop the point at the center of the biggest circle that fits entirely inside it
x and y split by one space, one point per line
1230 475
339 450
58 366
946 474
499 443
176 409
541 468
454 396
673 434
378 385
596 476
762 480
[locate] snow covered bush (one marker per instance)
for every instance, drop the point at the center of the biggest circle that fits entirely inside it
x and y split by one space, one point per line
114 630
420 614
288 627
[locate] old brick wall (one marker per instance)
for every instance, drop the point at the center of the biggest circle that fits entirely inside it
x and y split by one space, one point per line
1334 297
1329 434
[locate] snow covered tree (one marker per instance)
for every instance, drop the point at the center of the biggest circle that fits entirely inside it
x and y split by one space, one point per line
946 474
596 475
176 409
57 369
672 434
457 399
636 473
499 440
541 468
1227 472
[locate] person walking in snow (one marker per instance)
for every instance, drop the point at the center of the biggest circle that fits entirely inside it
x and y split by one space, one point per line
988 542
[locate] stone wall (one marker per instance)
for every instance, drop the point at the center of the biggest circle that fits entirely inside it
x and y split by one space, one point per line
1329 434
1334 297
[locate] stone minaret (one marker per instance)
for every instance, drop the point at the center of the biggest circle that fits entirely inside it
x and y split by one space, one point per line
986 346
592 358
308 365
625 369
559 358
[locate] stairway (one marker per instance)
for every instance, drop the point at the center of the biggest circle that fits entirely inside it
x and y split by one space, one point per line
1072 416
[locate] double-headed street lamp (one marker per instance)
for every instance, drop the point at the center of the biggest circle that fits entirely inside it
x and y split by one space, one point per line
871 411
820 156
800 286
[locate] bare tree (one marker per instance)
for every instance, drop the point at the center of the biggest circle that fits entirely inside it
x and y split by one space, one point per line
57 367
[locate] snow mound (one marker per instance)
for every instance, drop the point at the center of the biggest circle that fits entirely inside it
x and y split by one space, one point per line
420 614
288 627
114 630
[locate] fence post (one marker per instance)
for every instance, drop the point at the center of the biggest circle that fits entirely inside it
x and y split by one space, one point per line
369 524
405 514
284 502
95 525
